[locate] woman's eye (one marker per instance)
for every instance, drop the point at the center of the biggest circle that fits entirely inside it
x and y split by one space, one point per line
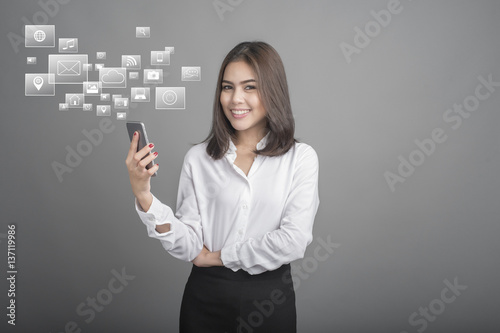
250 87
226 87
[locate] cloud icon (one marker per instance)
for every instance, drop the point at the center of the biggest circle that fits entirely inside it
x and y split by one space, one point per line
112 76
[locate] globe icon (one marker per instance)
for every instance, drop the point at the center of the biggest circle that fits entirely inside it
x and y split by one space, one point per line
39 35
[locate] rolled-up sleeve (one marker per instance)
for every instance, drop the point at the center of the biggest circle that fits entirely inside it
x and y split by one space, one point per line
184 240
290 240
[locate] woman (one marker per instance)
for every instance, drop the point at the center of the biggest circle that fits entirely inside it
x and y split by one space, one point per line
246 202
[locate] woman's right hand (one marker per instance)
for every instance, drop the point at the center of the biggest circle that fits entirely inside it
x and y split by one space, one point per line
140 177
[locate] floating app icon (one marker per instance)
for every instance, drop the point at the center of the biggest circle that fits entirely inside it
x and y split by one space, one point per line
115 96
75 100
113 77
142 32
100 55
87 107
133 75
97 67
68 45
170 98
38 84
39 36
131 61
191 74
170 49
153 76
121 103
68 68
31 60
139 94
63 106
121 116
92 88
160 58
105 97
103 110
87 67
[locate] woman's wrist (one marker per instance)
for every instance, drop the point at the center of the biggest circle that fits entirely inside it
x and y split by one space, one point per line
145 200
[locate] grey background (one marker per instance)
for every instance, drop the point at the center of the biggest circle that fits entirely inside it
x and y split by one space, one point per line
396 248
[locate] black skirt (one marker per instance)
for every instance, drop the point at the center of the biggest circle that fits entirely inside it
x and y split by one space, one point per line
218 300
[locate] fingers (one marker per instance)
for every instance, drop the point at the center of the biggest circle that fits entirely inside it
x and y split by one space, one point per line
153 169
145 161
133 147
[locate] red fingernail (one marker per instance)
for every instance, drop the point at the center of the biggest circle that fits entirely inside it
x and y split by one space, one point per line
151 145
135 133
156 153
158 164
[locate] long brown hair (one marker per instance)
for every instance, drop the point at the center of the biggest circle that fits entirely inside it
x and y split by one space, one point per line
273 92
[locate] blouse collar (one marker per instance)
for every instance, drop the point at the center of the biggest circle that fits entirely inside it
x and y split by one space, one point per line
260 145
231 152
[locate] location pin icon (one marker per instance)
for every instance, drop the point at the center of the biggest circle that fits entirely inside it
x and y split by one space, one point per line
38 82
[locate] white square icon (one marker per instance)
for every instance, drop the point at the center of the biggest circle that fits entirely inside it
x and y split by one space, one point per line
160 58
139 94
103 110
121 103
142 32
121 116
100 55
68 45
170 98
153 76
191 74
92 88
75 100
38 84
39 36
68 68
131 61
113 77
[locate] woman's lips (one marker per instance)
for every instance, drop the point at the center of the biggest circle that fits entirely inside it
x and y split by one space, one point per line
240 113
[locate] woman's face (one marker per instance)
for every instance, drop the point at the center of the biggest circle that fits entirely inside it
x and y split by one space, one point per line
240 98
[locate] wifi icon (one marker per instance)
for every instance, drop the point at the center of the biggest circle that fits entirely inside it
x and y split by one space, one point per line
131 61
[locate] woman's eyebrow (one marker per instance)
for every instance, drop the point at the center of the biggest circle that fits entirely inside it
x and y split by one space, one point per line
242 82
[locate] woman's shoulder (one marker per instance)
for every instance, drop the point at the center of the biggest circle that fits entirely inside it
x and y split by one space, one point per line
302 149
198 152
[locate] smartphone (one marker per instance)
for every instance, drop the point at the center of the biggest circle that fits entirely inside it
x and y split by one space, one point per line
138 126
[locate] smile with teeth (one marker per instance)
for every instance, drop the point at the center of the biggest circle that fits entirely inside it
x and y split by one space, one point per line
240 111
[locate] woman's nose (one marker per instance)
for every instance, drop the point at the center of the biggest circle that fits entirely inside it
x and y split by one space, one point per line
237 96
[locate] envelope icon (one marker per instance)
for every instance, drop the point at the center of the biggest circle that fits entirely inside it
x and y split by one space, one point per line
69 67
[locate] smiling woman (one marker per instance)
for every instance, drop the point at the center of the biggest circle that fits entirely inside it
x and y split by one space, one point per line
246 204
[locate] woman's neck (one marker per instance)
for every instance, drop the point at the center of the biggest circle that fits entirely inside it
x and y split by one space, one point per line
250 139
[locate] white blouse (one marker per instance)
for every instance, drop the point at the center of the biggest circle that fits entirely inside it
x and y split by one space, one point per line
260 221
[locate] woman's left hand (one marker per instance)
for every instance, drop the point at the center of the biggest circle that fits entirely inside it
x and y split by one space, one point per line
207 258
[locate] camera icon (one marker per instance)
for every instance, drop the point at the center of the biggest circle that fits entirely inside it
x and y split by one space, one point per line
153 76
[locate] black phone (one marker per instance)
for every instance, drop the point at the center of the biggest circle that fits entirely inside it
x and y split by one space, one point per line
138 126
